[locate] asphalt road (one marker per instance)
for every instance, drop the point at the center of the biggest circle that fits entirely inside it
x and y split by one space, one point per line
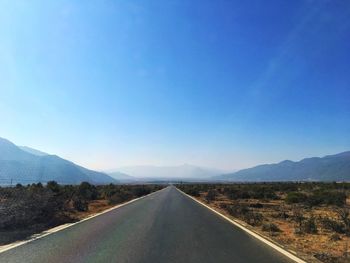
165 227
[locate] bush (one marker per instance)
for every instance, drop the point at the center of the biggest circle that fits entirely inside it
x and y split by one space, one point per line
211 195
256 205
344 216
193 192
336 198
27 206
334 237
332 225
309 226
270 227
298 218
120 197
80 205
263 192
141 191
234 194
295 197
253 219
327 257
35 205
87 191
327 197
250 191
53 186
281 214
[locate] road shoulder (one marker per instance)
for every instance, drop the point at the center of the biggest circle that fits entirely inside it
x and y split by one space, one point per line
256 235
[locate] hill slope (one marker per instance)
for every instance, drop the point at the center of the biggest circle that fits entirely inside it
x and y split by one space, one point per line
24 167
122 177
329 168
32 151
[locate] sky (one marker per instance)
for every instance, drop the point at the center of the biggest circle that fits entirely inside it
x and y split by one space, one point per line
225 84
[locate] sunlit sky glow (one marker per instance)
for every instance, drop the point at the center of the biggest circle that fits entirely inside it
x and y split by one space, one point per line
225 84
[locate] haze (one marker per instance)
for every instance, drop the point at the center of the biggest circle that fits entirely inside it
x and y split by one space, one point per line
225 84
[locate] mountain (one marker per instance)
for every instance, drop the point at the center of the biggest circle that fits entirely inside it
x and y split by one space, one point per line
32 151
185 171
122 177
22 166
329 168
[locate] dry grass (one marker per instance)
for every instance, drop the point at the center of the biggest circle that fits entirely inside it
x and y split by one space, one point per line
94 207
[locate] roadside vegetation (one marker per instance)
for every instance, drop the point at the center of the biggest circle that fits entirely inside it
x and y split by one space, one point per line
311 218
25 210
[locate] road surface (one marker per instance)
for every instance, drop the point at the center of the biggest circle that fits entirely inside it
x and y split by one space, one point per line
165 227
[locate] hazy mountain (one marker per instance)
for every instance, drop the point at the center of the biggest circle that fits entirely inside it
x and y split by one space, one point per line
25 167
32 151
122 177
329 168
181 171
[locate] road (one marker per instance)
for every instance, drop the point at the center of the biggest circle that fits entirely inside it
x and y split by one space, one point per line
165 227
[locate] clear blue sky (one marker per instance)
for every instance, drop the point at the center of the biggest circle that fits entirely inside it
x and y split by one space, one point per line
225 84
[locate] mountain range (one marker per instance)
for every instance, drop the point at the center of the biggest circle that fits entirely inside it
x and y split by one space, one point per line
185 172
20 164
329 168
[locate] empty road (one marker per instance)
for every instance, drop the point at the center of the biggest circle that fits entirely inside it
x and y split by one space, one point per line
165 227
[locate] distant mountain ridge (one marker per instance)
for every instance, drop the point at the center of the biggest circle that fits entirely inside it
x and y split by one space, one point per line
329 168
122 177
184 171
26 165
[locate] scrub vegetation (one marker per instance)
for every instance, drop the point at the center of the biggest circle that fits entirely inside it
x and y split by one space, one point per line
30 209
311 218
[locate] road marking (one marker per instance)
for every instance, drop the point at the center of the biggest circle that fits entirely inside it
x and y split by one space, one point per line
269 243
65 226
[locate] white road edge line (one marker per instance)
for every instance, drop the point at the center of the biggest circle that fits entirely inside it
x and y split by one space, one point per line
267 242
65 226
